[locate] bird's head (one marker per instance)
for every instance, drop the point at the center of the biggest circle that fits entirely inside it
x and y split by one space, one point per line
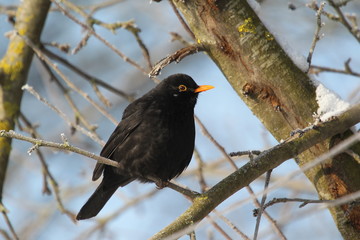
183 88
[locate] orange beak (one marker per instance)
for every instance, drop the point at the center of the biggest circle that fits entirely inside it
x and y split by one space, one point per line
203 88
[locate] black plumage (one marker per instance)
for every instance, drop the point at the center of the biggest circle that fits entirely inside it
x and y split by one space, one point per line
154 140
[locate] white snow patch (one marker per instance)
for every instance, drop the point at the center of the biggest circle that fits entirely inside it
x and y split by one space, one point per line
298 58
329 103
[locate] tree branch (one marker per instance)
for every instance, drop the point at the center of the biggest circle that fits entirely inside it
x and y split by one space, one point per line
267 160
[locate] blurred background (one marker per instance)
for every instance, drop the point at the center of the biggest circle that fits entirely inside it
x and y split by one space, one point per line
139 210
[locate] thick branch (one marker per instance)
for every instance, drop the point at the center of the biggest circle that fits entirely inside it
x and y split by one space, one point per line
267 160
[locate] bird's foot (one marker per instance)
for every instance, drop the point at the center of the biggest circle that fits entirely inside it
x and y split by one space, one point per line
160 184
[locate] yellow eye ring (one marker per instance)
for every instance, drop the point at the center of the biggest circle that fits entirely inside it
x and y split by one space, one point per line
182 88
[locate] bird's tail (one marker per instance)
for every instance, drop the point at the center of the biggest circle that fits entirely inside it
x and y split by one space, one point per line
99 198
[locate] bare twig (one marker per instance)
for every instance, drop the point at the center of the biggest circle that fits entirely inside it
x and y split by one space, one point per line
185 191
68 82
219 229
347 69
354 30
67 147
101 5
82 43
242 153
101 97
8 222
216 143
175 57
47 173
230 224
5 234
63 115
67 96
87 76
91 20
262 203
102 222
62 47
192 235
286 200
108 44
31 129
177 37
182 21
316 37
200 173
232 163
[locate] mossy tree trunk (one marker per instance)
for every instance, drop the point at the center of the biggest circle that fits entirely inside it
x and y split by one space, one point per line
14 66
279 93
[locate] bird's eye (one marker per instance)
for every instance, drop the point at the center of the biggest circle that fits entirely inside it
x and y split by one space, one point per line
182 88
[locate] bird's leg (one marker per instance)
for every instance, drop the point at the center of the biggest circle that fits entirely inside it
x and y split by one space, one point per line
160 184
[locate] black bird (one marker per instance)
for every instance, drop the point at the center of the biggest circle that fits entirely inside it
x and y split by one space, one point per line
153 142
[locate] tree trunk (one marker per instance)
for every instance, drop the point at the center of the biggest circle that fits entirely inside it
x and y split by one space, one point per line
14 66
277 91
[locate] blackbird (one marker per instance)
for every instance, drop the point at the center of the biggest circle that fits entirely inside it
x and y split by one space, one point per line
153 142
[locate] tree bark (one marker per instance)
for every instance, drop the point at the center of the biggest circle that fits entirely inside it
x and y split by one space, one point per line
280 94
14 66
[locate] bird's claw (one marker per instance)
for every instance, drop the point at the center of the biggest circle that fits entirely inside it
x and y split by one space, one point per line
160 184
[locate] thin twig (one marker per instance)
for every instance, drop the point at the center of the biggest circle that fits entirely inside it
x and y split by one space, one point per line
65 91
262 203
100 96
216 143
5 234
228 222
347 69
182 21
192 235
101 5
286 200
177 37
102 222
62 47
219 229
199 171
87 76
144 50
47 173
91 20
108 44
89 134
81 44
8 222
185 191
67 80
175 57
31 129
232 163
242 153
67 147
257 204
352 29
316 37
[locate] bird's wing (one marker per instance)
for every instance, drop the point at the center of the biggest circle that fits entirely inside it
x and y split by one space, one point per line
131 119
